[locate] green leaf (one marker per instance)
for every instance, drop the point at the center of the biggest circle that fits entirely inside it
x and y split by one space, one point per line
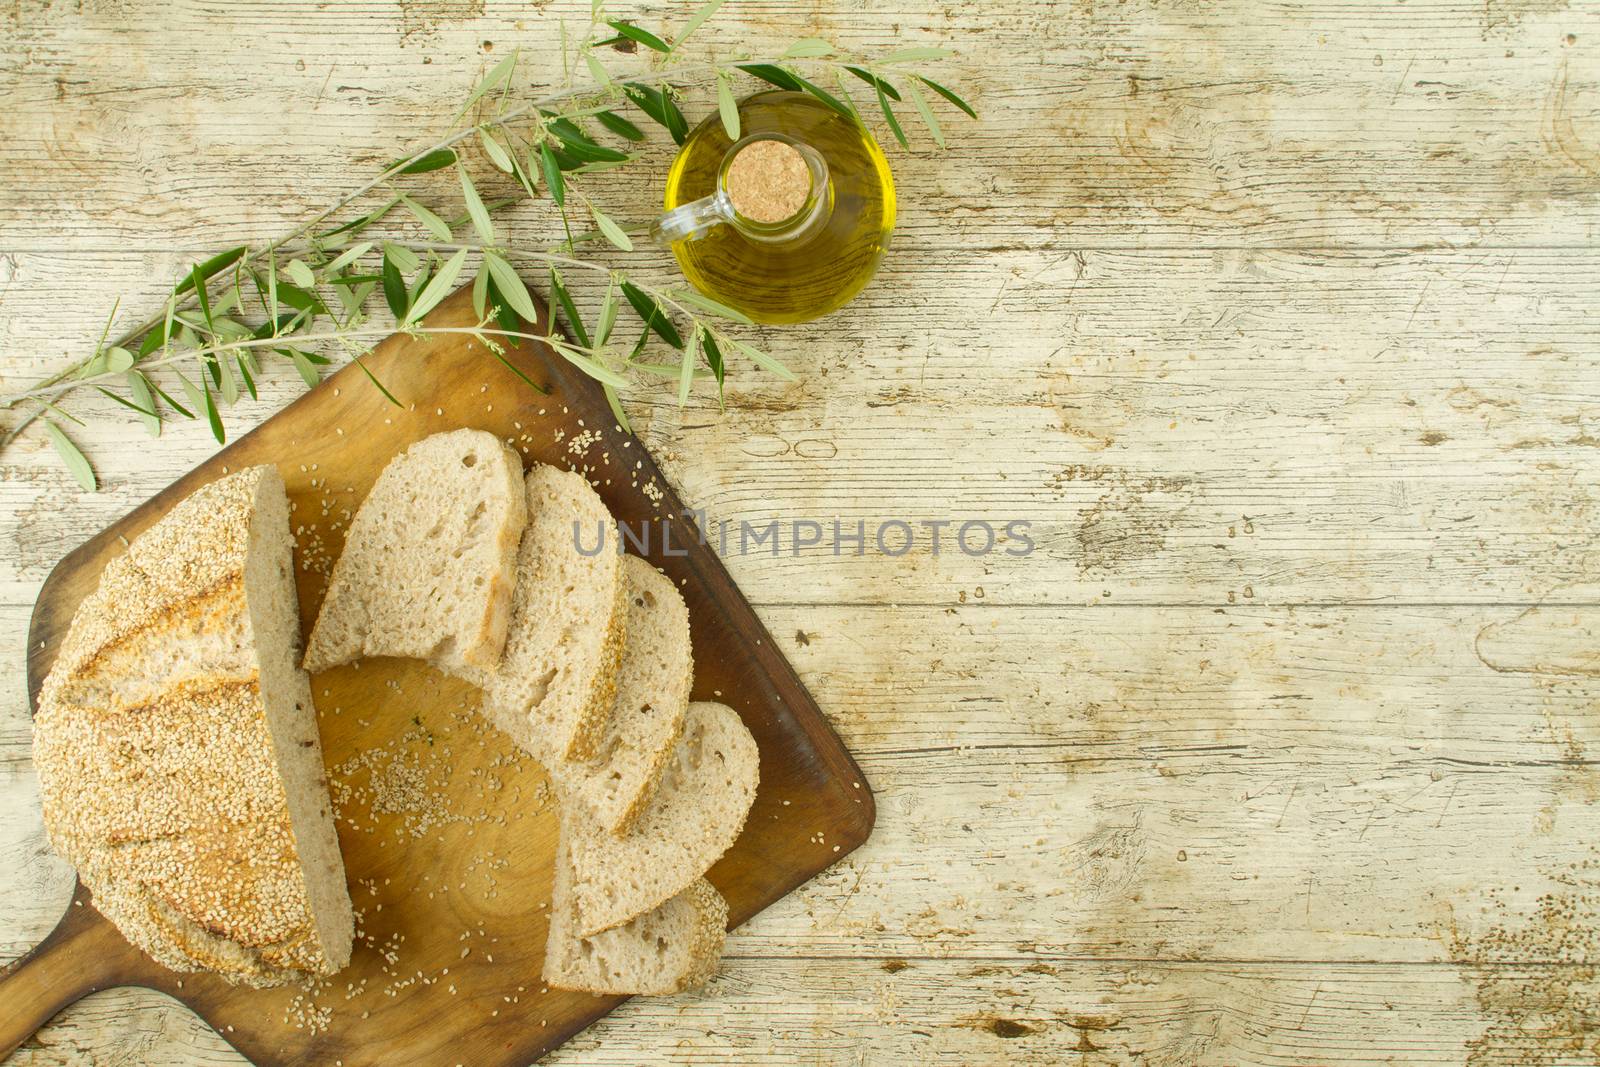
948 95
207 269
921 103
307 369
644 37
876 82
597 70
727 107
438 159
652 314
660 106
212 415
201 295
696 20
915 55
581 147
608 315
705 303
508 319
404 259
140 388
347 257
437 289
495 151
394 286
480 292
894 123
619 125
552 175
272 289
300 299
610 230
509 283
225 379
761 359
708 344
433 223
171 403
574 321
75 460
118 359
691 355
300 274
808 48
492 80
244 372
827 98
589 366
374 380
475 209
126 403
616 408
773 75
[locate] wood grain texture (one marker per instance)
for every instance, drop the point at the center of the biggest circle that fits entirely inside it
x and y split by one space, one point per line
1277 321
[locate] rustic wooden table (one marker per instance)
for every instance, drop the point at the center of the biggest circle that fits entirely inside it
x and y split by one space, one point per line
1280 324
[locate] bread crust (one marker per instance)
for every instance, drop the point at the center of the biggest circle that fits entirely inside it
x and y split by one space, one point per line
159 783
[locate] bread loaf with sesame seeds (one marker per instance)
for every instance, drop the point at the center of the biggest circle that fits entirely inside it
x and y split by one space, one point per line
554 687
176 742
668 949
698 810
430 559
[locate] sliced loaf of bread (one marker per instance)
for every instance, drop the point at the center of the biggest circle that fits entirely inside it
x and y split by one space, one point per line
428 564
666 950
646 719
176 742
699 808
554 687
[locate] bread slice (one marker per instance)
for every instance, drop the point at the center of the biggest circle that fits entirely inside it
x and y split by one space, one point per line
666 950
646 719
176 743
554 687
427 566
699 808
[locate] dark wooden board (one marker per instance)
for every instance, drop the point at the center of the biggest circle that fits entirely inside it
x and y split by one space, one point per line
453 867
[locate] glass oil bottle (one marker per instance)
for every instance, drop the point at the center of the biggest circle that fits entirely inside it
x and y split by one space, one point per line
790 222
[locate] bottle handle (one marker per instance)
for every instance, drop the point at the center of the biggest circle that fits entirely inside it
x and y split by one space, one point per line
693 220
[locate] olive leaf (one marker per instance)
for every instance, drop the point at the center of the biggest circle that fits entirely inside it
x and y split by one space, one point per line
437 289
509 284
72 456
920 102
475 209
644 37
610 230
433 223
727 107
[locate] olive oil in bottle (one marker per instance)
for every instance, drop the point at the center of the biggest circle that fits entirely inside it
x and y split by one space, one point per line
788 223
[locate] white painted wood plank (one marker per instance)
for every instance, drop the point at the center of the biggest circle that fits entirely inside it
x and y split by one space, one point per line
763 1011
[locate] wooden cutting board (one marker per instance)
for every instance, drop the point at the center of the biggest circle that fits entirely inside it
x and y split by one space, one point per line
448 835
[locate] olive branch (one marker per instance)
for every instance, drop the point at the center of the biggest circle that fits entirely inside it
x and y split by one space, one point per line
310 294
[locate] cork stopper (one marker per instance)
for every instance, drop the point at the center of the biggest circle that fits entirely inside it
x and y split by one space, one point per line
768 181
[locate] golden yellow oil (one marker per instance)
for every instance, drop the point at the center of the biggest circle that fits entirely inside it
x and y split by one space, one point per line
789 281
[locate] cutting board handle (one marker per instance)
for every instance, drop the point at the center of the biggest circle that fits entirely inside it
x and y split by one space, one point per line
82 955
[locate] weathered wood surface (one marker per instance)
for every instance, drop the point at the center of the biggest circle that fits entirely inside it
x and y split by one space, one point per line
1278 322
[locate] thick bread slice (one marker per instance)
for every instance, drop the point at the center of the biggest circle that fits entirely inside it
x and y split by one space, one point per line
554 687
177 749
427 567
699 808
652 698
667 950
